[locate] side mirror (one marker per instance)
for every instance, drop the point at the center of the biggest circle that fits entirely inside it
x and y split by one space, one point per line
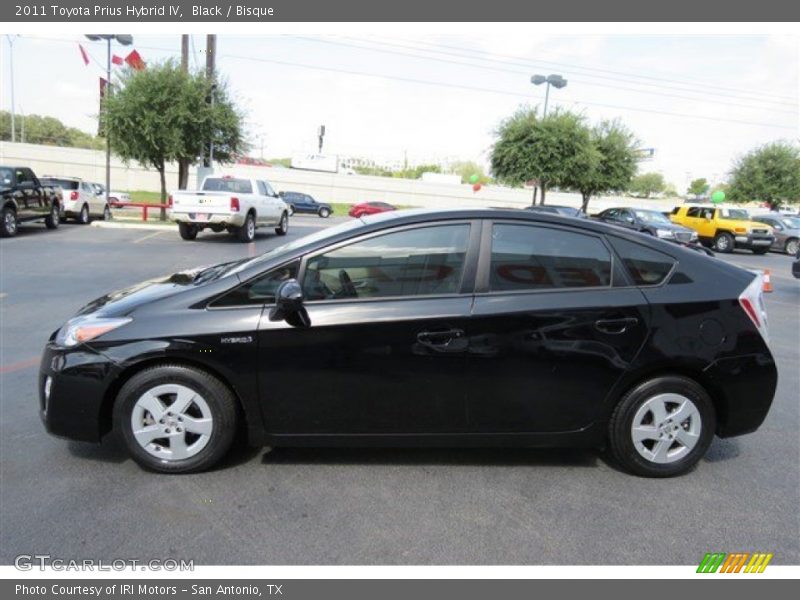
289 305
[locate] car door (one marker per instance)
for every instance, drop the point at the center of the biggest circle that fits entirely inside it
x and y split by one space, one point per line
309 204
274 202
30 200
554 327
385 351
89 196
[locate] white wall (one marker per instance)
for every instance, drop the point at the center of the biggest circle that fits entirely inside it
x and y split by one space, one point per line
326 187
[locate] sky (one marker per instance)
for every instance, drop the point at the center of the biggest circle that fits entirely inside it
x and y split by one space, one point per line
700 101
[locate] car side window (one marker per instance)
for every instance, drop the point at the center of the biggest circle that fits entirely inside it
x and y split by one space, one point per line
23 176
694 211
258 290
412 262
262 188
270 191
645 265
526 257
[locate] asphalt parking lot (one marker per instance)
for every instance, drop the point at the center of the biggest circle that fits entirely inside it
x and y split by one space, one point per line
360 506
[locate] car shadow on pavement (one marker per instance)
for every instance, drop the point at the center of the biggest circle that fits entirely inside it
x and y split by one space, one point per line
110 450
434 456
722 450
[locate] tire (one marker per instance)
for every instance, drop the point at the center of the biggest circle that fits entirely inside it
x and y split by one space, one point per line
107 216
760 250
247 232
83 216
723 242
324 213
9 226
283 225
196 434
53 220
791 246
675 447
188 232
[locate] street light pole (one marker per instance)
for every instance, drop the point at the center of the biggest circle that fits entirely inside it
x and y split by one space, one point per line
558 82
11 73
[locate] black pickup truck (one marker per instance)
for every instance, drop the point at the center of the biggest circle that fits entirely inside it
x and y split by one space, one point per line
26 199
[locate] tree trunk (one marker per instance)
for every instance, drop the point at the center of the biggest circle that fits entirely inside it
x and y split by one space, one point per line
544 189
533 199
585 204
183 174
163 176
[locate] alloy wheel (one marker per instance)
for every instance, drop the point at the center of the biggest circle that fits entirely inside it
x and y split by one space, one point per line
666 428
791 247
172 422
10 222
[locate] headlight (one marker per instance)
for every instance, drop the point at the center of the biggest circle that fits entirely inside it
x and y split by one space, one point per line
694 236
88 327
665 233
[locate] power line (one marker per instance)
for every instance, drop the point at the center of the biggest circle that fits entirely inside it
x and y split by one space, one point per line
520 71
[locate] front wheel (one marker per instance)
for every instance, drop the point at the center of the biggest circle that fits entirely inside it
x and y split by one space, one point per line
188 232
723 242
324 213
791 246
283 225
53 220
176 419
107 213
662 427
247 232
9 224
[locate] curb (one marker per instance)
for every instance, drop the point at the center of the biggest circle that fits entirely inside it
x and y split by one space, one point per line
119 225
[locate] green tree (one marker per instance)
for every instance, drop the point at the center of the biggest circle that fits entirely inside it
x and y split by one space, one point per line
552 150
768 174
38 129
646 184
467 169
416 172
614 163
162 114
698 187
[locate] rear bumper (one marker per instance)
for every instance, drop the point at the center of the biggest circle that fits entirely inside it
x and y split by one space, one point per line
202 219
745 387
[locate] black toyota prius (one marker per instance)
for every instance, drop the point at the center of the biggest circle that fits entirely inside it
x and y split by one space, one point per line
457 328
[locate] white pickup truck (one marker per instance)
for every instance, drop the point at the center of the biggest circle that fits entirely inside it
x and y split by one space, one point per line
226 203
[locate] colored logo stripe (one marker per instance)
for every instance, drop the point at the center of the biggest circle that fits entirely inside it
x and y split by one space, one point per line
733 563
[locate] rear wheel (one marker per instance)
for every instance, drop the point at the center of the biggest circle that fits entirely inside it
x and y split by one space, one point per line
8 228
176 419
247 232
662 427
53 220
188 232
107 216
83 216
723 242
324 213
791 246
283 225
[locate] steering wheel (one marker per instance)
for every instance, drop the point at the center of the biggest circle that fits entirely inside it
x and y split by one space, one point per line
348 289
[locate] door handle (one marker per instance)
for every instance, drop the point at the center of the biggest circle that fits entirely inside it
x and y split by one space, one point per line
615 325
440 340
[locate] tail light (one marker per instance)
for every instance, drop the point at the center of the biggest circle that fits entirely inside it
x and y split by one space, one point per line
169 201
752 302
234 204
74 195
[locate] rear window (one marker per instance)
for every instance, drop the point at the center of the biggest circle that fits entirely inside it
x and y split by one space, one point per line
645 265
64 184
225 184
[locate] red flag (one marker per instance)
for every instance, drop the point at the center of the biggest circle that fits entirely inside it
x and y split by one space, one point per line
117 60
84 55
103 87
135 61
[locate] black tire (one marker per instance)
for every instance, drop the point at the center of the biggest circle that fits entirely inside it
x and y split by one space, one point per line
247 232
723 242
9 226
324 212
53 220
791 246
218 397
107 216
760 250
620 434
83 216
188 231
283 225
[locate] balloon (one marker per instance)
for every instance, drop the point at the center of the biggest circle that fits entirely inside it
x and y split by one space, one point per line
476 187
473 179
718 196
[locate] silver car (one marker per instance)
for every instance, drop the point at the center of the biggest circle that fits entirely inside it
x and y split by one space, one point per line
786 230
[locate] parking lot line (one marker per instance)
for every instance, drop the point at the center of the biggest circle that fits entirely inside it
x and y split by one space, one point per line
147 237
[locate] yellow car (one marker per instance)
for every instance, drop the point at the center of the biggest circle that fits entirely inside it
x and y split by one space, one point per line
724 228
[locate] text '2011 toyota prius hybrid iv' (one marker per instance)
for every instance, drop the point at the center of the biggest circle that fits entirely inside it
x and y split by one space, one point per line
458 328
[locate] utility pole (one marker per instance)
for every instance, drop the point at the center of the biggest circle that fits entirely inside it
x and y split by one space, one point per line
211 59
185 53
10 39
183 164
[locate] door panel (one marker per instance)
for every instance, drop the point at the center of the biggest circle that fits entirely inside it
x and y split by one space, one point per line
545 361
381 366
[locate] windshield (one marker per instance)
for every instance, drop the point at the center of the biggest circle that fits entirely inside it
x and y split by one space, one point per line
791 222
653 216
733 213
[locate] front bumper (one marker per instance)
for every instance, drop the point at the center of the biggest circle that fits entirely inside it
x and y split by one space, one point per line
202 219
751 241
79 379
